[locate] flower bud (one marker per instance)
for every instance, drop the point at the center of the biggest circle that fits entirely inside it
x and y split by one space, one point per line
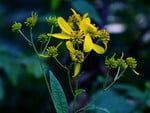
52 51
52 21
30 22
16 26
43 38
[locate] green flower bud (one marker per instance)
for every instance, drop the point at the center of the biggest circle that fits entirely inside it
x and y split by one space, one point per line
43 38
52 51
111 63
132 63
52 21
30 22
121 63
16 26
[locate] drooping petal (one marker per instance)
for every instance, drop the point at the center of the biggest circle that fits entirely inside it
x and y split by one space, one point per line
77 69
98 49
60 35
87 43
85 15
135 72
64 25
45 56
70 46
76 14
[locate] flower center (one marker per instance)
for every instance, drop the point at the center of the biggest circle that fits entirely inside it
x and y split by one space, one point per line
77 37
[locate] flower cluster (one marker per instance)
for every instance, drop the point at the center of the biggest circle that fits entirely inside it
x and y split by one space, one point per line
80 34
120 62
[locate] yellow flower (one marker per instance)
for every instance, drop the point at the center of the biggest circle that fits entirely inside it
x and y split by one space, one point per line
76 56
77 36
68 33
90 32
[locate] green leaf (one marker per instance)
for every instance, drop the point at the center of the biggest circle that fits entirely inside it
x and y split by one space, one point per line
79 91
93 107
33 66
58 95
110 100
83 7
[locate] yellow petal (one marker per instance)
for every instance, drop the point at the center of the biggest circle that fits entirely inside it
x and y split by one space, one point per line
92 27
87 43
98 49
70 46
85 15
135 72
64 26
105 44
83 25
45 56
60 35
77 70
74 12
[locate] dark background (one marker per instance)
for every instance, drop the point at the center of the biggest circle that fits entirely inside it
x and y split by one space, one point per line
22 87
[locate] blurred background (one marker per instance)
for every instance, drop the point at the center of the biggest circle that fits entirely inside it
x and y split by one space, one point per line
22 86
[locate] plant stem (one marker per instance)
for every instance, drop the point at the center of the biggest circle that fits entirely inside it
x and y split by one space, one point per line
48 40
103 90
75 96
41 47
25 37
60 64
69 79
42 67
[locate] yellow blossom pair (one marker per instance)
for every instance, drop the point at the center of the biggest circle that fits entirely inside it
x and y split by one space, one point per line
84 34
78 31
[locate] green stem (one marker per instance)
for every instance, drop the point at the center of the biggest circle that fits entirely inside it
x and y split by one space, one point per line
48 40
103 90
69 79
32 42
60 64
25 37
41 47
42 67
75 96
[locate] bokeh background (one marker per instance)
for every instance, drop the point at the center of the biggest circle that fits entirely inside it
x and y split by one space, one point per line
22 86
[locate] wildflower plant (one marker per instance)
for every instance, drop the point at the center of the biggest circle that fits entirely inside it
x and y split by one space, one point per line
81 37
